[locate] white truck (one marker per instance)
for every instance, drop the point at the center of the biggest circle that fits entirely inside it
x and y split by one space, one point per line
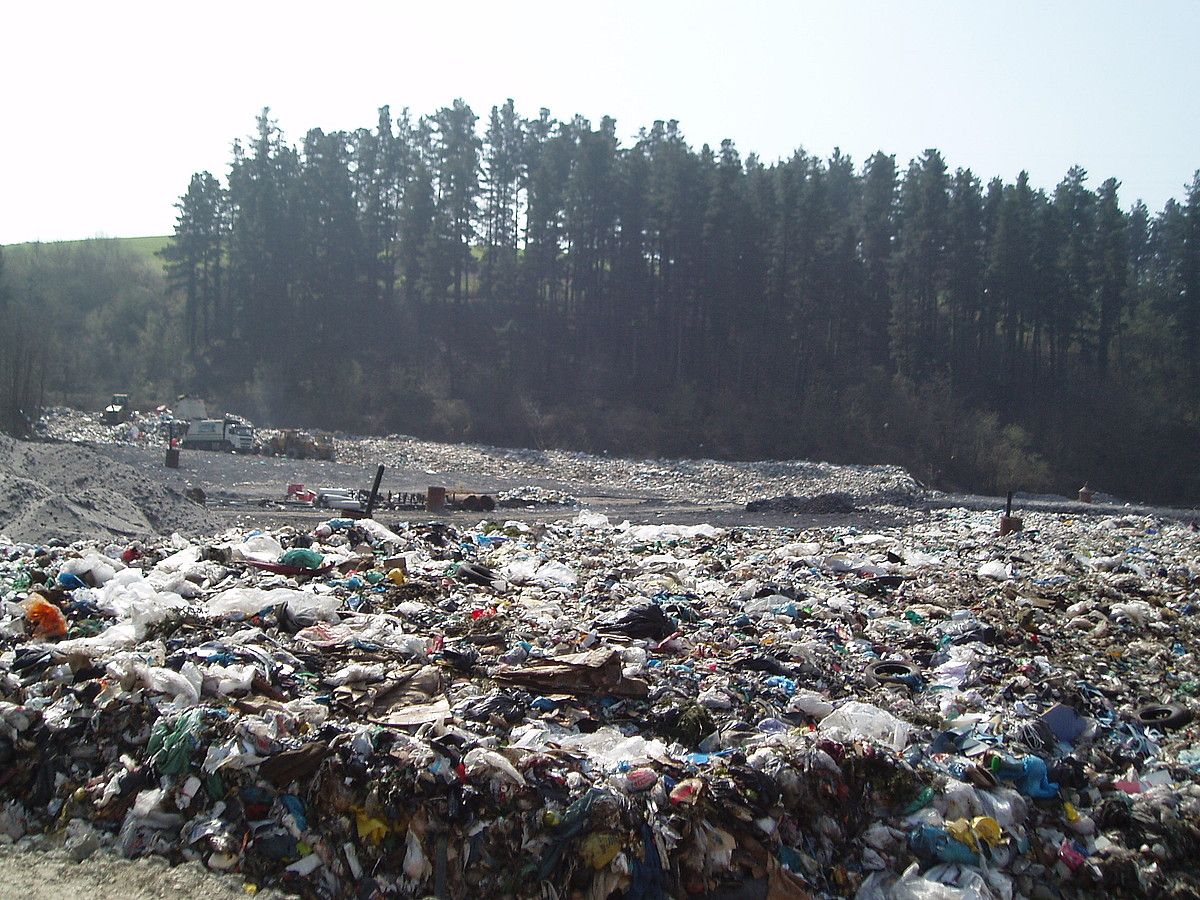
219 434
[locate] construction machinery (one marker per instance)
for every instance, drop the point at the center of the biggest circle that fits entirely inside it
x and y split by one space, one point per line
296 444
117 410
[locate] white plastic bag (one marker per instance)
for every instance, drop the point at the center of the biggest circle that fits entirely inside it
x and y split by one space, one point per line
862 720
101 568
995 570
259 548
247 601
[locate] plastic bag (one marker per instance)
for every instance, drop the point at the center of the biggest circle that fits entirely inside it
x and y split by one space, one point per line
480 759
171 743
862 720
912 885
168 681
378 532
180 559
227 680
811 704
610 749
259 548
995 570
249 601
588 519
101 568
46 618
649 534
302 558
533 570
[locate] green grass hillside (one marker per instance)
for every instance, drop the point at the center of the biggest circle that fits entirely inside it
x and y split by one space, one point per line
138 247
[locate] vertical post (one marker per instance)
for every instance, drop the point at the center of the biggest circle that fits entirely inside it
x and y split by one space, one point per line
1008 522
374 491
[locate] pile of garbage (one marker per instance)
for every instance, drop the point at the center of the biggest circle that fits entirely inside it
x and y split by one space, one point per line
589 709
141 429
532 497
701 481
559 474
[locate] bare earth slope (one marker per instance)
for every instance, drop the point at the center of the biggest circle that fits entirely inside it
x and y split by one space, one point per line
68 492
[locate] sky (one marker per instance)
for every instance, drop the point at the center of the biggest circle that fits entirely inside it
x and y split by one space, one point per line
108 108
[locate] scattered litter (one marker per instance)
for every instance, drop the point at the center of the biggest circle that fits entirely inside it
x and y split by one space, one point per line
363 708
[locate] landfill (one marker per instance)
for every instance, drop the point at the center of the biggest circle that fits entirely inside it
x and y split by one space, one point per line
590 708
140 429
554 477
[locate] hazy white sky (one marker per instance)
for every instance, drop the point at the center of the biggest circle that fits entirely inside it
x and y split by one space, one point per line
107 108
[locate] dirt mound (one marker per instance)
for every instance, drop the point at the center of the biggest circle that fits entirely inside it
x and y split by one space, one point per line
70 492
821 504
49 875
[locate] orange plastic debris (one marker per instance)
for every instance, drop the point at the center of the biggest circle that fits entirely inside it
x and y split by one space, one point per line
47 619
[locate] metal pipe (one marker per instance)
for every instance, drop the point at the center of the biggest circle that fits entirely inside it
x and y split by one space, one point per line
374 491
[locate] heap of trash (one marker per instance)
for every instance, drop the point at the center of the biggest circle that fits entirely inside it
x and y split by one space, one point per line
139 429
532 497
702 481
586 709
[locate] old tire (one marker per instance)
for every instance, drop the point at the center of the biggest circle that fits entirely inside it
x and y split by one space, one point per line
892 671
1164 715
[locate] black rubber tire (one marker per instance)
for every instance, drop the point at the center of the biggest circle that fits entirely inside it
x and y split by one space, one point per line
892 671
1164 715
474 573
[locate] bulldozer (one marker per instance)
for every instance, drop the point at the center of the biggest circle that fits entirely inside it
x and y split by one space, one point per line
117 410
296 444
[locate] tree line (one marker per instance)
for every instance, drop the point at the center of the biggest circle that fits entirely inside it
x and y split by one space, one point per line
541 282
83 319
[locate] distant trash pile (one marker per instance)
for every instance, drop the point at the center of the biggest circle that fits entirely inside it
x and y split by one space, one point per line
698 481
701 482
531 496
593 710
138 429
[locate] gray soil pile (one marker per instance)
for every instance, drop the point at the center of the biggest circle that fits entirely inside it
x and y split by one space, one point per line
52 875
70 492
821 504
